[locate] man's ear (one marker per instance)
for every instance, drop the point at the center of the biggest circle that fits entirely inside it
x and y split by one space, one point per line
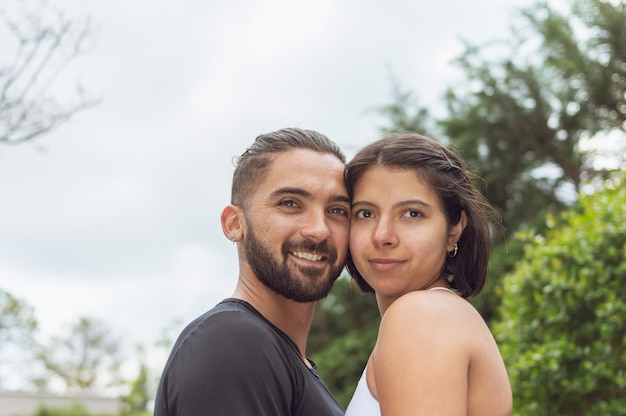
456 231
232 223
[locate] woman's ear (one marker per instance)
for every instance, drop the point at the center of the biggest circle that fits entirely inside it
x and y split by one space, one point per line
456 231
232 226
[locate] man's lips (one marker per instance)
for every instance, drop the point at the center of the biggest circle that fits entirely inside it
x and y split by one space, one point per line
383 265
310 252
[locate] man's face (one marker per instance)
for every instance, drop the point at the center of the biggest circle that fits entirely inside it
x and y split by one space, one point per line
297 225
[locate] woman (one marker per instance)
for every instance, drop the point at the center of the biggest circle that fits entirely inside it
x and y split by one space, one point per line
420 240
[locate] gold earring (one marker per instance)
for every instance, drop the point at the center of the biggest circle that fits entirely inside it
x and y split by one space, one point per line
454 252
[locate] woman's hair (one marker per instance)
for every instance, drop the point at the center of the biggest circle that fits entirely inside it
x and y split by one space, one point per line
446 174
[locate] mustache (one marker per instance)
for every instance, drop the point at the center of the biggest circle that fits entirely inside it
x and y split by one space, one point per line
323 248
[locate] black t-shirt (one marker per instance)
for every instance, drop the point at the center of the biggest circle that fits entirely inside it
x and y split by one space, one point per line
232 361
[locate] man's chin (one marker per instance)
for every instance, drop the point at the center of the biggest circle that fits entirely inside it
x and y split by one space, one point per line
310 297
311 293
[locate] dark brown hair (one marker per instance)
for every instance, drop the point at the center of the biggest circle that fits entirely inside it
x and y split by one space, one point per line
449 178
252 165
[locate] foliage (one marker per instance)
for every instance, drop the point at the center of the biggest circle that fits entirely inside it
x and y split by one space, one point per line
17 320
43 50
344 359
140 392
522 120
75 409
137 399
344 309
563 328
83 356
501 262
404 113
342 336
17 326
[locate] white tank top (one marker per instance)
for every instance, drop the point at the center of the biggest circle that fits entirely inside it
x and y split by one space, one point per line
362 402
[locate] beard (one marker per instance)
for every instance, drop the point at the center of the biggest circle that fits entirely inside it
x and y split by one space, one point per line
304 284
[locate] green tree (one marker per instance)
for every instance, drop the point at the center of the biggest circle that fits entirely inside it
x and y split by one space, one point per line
343 333
522 120
563 328
136 402
140 389
405 114
74 409
84 357
17 326
45 42
17 319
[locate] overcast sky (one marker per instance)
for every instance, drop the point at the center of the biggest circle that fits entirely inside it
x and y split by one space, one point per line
115 215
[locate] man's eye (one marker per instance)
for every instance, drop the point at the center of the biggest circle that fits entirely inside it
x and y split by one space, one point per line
288 203
338 211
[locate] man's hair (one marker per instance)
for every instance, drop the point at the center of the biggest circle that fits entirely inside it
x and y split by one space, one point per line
252 166
446 174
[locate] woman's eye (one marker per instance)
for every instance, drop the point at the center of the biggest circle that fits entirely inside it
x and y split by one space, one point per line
413 213
364 214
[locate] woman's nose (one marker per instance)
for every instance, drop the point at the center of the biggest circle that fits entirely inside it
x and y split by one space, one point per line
384 234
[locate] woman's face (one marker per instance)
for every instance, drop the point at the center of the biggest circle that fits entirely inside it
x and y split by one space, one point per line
399 235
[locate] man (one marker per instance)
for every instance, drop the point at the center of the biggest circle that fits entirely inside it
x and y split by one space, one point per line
289 216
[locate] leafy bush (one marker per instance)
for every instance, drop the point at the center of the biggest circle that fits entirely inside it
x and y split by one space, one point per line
344 359
342 336
75 409
563 318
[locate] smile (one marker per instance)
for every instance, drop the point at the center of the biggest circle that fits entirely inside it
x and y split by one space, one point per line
307 256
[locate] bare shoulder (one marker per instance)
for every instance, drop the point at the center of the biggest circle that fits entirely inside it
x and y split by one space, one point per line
439 315
438 305
432 338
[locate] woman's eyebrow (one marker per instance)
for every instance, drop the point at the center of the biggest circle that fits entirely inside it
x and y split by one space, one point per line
410 202
362 204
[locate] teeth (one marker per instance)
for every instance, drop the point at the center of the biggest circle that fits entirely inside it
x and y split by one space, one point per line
307 256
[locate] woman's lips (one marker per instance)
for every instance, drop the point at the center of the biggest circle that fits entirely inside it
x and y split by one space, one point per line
384 265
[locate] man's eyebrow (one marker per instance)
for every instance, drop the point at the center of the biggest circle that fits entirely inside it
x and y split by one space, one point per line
339 198
306 194
291 191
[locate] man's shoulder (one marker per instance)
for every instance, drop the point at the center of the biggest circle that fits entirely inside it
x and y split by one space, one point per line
228 333
229 327
229 317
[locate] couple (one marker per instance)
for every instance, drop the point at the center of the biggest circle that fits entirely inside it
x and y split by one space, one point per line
407 220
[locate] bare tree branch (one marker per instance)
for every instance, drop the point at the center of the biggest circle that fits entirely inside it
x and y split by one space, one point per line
46 43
